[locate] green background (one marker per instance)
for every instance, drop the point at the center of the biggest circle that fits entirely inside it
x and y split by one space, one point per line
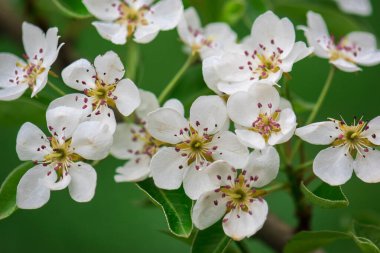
118 218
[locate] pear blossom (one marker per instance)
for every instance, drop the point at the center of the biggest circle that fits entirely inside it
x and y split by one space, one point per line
262 118
208 41
195 144
103 87
269 51
59 158
122 19
357 7
17 75
356 48
134 143
235 197
352 148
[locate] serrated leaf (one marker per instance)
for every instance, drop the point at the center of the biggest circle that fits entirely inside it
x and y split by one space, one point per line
370 232
211 240
307 241
175 204
8 190
325 196
72 8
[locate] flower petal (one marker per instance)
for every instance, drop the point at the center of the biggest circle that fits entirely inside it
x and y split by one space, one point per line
54 183
167 13
333 165
92 140
109 67
208 114
210 74
7 69
148 104
367 167
372 131
238 224
250 138
125 145
128 97
41 82
32 143
220 173
33 39
32 192
228 148
12 92
52 49
263 166
146 33
208 209
106 10
168 167
106 116
134 170
83 182
113 32
319 133
79 75
345 65
196 182
299 51
357 7
189 22
242 108
175 104
165 124
288 125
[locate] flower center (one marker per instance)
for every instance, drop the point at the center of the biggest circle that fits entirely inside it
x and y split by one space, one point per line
102 94
343 50
29 73
352 136
266 124
151 144
132 17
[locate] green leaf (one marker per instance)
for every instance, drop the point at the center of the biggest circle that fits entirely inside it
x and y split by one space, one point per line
175 204
307 241
326 196
232 11
8 190
211 240
365 245
370 232
72 8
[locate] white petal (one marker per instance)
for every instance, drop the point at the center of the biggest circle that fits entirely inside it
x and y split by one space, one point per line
33 39
208 209
229 149
288 125
53 183
113 32
74 101
175 104
345 65
165 124
370 59
250 138
83 182
13 92
167 13
128 97
168 167
106 116
79 75
32 143
299 51
109 67
333 165
196 182
229 67
238 224
148 104
40 83
373 131
135 170
7 69
103 9
210 74
52 49
242 108
189 22
358 7
125 144
32 192
220 173
320 133
208 114
92 140
367 167
263 166
146 33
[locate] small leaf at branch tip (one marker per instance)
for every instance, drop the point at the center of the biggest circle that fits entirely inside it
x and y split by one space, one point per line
175 205
74 9
325 196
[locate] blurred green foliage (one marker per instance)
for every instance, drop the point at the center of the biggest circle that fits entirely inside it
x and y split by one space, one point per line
115 220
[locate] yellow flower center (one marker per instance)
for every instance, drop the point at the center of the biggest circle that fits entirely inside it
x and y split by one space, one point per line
131 17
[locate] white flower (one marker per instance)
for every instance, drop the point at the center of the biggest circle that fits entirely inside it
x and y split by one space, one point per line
235 197
59 158
357 7
195 144
122 19
261 118
265 55
17 75
356 48
133 142
208 41
353 148
103 86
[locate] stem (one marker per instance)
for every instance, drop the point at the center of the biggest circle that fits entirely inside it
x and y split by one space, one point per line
275 187
304 165
132 59
58 90
175 79
242 246
317 106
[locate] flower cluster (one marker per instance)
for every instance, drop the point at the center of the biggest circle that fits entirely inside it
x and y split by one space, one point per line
223 152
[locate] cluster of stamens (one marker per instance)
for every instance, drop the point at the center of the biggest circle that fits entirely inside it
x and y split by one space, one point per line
102 94
352 137
150 146
200 40
262 64
266 123
131 17
343 50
